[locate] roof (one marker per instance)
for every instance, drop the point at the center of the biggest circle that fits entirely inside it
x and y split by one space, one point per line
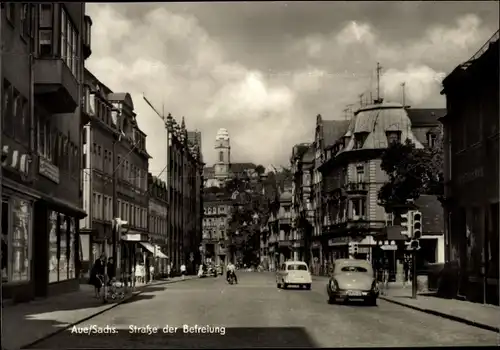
333 130
425 116
375 121
308 156
122 97
299 150
241 167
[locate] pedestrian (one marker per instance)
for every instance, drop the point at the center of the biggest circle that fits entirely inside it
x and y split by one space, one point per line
406 270
183 270
169 270
111 270
151 273
97 275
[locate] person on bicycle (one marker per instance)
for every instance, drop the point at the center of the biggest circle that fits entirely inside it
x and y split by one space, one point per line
231 269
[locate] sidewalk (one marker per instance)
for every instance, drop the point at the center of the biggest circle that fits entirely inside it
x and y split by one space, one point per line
478 315
26 323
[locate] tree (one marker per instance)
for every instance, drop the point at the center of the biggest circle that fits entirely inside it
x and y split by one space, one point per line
412 172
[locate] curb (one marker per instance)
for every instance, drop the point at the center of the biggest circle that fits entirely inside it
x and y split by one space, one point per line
111 306
443 315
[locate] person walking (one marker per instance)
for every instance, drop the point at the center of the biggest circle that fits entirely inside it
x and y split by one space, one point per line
183 271
97 275
169 269
406 270
111 270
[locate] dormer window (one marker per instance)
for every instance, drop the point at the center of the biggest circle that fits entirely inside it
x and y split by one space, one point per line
431 139
359 139
393 137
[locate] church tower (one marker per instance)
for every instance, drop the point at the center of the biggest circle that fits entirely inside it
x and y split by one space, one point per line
223 151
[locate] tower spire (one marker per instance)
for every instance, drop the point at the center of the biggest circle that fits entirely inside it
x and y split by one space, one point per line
403 84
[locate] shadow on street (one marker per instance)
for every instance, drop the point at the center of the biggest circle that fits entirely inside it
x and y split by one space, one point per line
275 337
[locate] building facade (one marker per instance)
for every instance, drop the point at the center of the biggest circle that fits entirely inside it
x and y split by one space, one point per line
41 88
184 184
157 224
471 173
299 194
115 180
216 211
353 177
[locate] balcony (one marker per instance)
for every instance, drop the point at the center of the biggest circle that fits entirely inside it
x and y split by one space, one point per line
357 187
55 86
87 51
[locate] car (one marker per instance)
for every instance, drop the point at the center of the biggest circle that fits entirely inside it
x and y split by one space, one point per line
293 273
352 279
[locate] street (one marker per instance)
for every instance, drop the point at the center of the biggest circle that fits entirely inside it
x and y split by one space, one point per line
255 313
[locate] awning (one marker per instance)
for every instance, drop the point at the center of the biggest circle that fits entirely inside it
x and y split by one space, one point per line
154 250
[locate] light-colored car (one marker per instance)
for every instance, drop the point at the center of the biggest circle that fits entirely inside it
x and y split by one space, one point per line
352 279
293 273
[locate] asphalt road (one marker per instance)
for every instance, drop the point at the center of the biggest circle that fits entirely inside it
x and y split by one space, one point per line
255 313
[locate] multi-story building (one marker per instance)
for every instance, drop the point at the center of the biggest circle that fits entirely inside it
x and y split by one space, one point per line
41 71
326 133
217 209
157 223
298 201
184 184
286 237
353 177
223 169
115 181
472 170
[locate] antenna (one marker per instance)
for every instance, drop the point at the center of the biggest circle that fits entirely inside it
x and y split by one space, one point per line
379 70
403 84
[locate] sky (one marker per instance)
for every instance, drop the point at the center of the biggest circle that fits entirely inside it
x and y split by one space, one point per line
265 70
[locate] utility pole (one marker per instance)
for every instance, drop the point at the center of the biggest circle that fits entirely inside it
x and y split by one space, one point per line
379 70
403 84
361 100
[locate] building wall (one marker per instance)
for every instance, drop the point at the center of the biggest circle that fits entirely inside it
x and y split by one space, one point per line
36 189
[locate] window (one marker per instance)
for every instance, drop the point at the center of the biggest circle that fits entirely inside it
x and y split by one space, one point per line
62 247
358 208
27 20
94 204
105 207
99 206
431 139
221 156
354 269
46 138
11 12
69 43
22 119
297 267
16 240
8 108
45 30
120 168
360 173
393 137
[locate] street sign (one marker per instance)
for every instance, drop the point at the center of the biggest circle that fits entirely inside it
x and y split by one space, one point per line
389 247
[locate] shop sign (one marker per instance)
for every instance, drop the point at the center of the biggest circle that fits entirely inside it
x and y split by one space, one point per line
338 241
470 176
49 170
17 161
315 245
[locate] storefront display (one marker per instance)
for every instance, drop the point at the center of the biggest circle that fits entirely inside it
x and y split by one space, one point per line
62 247
16 239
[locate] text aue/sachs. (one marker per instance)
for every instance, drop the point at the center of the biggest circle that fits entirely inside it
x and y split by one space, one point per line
93 329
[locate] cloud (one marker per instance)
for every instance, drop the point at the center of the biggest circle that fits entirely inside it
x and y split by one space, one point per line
171 57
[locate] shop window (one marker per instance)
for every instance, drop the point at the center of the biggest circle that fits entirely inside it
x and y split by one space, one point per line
62 246
16 237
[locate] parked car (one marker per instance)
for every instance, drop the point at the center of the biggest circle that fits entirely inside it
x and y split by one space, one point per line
293 273
352 279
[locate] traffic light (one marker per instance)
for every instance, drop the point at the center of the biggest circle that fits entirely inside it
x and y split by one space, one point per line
414 245
353 248
416 221
406 224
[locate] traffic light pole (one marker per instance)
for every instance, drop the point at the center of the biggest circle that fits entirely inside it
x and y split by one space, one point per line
414 274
